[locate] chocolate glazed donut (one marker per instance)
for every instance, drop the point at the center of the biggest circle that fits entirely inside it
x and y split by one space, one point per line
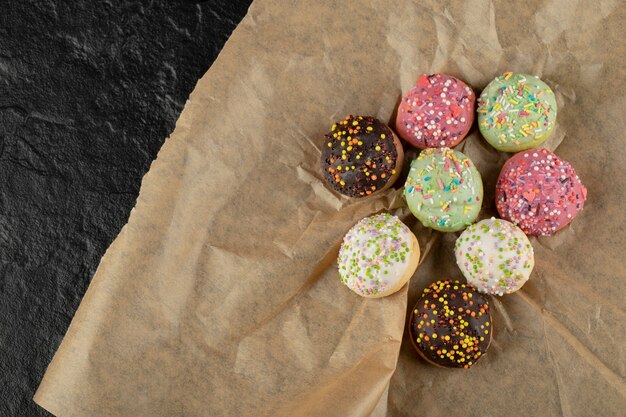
450 325
361 156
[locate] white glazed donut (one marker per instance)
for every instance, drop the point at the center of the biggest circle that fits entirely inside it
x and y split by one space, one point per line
495 256
378 256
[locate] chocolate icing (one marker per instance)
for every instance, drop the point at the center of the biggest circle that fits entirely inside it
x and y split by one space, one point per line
359 156
451 324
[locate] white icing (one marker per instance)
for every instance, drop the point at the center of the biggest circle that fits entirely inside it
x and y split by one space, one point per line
487 254
375 255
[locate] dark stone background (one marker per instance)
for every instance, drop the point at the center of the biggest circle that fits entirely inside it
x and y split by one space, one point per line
89 90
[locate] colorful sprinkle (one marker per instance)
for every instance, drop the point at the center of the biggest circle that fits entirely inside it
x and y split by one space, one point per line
495 256
441 186
539 192
512 116
375 255
448 324
364 146
437 112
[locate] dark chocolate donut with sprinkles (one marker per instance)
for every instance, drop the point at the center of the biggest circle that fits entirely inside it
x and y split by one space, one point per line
450 325
361 156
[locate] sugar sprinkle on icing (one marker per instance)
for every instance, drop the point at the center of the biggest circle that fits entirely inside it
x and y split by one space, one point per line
359 156
516 112
444 190
437 112
451 324
495 256
539 192
375 254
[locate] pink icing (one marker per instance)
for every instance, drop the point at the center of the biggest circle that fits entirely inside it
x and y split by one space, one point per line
438 112
539 192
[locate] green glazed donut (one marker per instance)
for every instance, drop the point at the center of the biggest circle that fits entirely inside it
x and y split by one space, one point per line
444 189
516 112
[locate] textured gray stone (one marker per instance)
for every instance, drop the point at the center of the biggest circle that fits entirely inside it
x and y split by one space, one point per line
89 90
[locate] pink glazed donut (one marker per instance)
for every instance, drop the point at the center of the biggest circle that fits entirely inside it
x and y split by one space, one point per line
539 192
438 112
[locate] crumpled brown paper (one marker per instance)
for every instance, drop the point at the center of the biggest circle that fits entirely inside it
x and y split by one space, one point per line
221 297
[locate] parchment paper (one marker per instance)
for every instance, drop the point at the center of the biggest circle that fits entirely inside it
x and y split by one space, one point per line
221 297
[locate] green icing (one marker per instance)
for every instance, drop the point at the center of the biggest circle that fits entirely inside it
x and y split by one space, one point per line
516 112
444 189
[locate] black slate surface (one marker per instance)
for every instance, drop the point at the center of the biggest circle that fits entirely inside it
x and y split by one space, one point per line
89 90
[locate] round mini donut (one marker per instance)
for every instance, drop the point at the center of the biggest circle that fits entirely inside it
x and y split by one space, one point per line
495 256
437 112
450 326
539 192
516 112
361 156
444 189
378 256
